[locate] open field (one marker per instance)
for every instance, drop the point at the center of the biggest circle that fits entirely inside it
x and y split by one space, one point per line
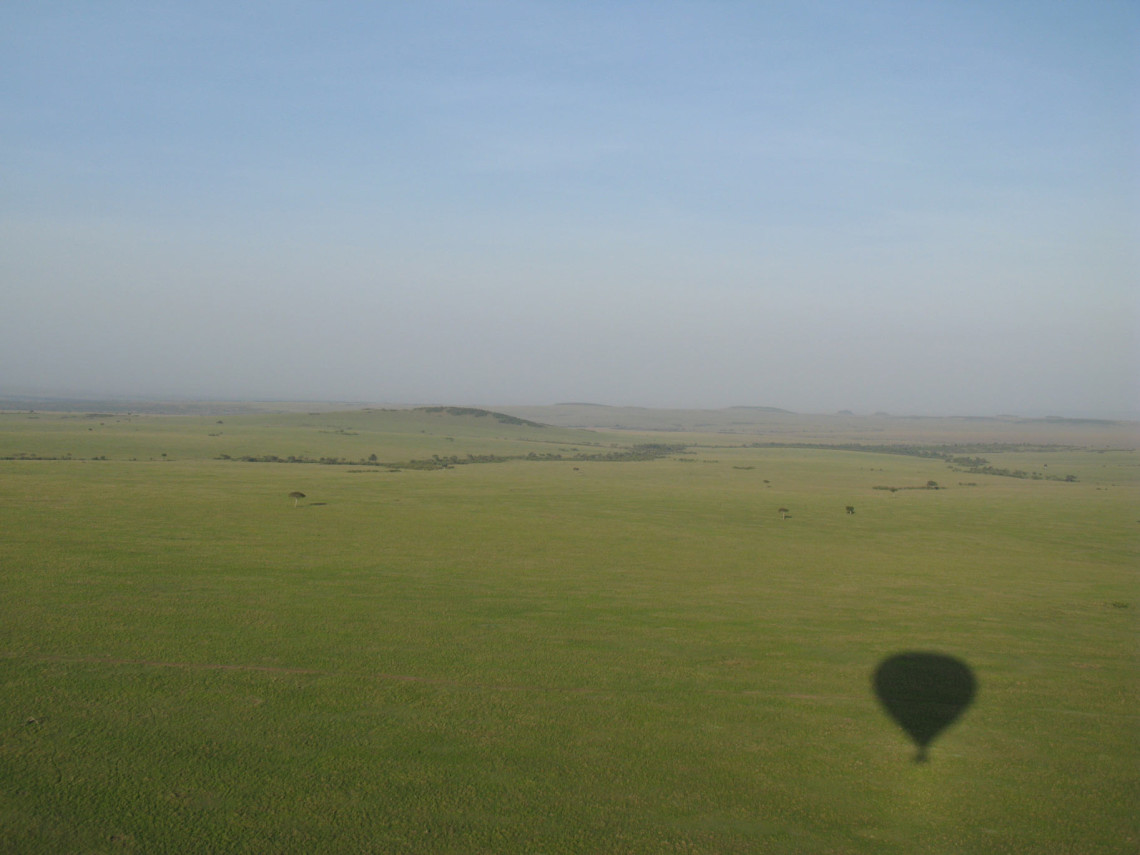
475 634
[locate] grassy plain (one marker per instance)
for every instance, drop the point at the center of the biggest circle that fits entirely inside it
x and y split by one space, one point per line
558 656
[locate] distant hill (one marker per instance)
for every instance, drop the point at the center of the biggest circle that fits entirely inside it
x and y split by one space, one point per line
582 415
773 424
475 412
750 423
157 406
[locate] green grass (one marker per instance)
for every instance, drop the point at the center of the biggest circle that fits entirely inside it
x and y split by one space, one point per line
570 656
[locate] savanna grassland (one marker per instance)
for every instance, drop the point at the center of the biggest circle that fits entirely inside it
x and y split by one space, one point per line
476 634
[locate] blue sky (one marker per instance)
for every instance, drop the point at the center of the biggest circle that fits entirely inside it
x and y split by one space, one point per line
917 207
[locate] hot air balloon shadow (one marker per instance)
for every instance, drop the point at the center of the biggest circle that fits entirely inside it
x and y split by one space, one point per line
924 693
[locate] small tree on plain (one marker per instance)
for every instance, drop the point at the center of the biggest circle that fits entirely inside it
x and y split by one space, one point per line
296 496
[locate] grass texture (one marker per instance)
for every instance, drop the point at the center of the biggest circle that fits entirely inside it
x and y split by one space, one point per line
555 656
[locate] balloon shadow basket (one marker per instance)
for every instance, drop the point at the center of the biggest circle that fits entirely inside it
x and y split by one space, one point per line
924 693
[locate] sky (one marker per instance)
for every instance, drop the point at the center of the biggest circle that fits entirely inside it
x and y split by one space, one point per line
913 207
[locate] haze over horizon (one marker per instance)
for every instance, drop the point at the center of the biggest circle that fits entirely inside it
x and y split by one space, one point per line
882 206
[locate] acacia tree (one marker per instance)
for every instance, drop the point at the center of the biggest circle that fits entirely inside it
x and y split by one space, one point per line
296 496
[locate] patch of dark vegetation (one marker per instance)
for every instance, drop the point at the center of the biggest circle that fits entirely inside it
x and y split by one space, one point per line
935 452
981 466
955 456
475 412
30 455
645 451
929 485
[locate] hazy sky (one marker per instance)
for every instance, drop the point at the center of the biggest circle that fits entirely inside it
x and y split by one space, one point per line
918 207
